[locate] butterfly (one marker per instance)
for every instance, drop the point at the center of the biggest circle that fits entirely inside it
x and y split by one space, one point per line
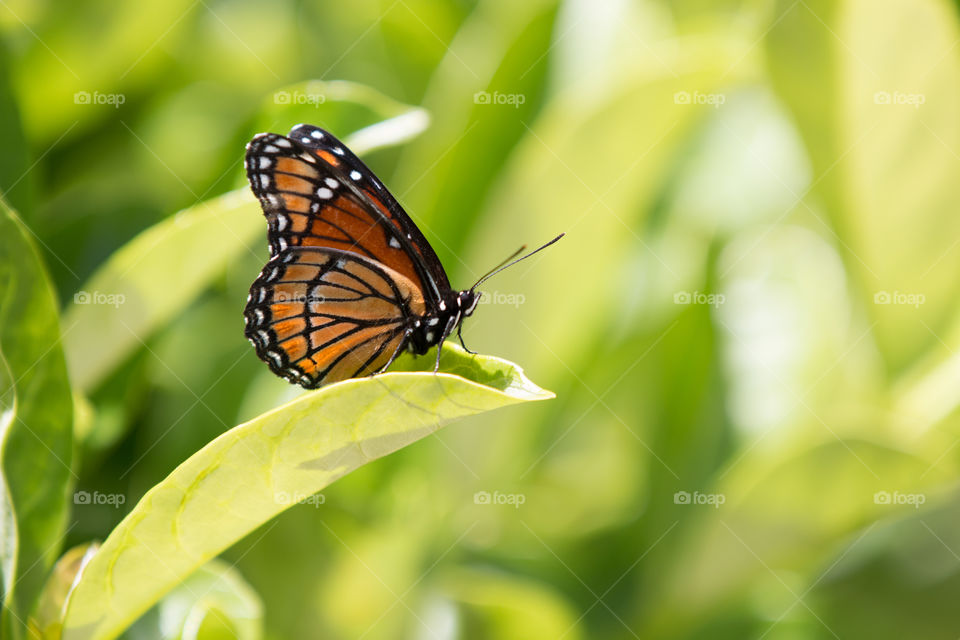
351 281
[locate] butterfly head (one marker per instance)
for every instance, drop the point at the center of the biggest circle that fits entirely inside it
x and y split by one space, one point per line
467 301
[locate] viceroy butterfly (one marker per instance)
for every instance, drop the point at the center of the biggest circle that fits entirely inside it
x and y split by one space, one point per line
351 282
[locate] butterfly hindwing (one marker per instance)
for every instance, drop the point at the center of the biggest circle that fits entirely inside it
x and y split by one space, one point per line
319 315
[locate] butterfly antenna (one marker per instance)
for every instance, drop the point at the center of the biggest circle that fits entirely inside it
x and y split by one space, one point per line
510 261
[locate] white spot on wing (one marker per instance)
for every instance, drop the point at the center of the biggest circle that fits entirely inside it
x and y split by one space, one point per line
282 222
338 151
354 175
333 184
265 162
283 143
324 193
394 242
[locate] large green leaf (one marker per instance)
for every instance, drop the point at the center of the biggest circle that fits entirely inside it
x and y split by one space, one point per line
874 88
444 177
262 467
774 517
157 274
35 424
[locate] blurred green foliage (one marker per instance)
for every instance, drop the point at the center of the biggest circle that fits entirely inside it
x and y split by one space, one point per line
751 327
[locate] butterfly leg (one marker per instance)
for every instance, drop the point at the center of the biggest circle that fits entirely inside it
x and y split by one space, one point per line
447 330
460 336
396 352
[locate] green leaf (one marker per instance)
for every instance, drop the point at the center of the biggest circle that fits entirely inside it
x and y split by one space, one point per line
157 274
151 279
35 424
47 617
264 466
781 513
444 177
214 602
499 605
874 89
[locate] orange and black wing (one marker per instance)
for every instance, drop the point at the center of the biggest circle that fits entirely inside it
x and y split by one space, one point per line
316 193
318 315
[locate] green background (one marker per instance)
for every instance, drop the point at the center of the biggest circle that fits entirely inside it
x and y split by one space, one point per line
751 327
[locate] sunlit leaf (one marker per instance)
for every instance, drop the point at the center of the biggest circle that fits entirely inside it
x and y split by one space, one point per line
262 467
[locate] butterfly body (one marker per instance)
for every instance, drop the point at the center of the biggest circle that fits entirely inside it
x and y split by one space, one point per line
351 281
431 330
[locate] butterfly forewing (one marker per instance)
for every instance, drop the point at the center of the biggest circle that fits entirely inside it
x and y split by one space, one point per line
315 192
319 315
